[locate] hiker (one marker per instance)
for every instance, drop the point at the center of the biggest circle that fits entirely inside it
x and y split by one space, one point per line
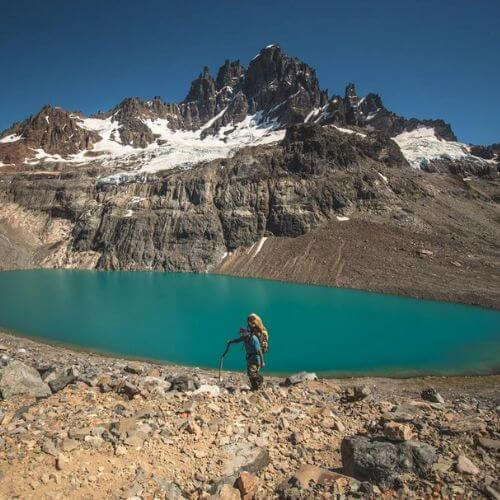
256 326
255 357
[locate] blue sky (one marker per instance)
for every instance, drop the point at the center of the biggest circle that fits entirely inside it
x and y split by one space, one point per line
427 58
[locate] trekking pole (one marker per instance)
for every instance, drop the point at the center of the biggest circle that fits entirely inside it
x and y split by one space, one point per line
222 361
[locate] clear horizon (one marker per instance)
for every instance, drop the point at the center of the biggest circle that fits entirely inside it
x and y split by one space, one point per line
425 60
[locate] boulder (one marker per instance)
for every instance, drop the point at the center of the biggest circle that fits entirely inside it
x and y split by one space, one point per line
61 461
297 438
383 462
210 390
244 457
134 367
155 385
432 395
20 379
492 492
69 444
192 427
300 377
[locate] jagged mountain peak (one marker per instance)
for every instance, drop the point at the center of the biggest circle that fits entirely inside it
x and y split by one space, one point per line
240 106
229 74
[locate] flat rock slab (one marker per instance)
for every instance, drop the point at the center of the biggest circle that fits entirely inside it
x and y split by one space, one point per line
244 457
403 413
20 379
464 424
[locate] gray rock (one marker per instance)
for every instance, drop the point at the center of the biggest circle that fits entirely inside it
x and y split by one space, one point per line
297 378
62 380
356 393
241 457
183 383
69 444
50 448
403 413
20 379
492 492
135 368
382 462
486 443
432 395
128 389
172 490
467 424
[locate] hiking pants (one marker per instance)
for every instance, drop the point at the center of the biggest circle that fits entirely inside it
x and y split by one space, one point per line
256 379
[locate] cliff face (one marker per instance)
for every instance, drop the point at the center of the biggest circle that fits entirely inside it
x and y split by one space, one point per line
187 220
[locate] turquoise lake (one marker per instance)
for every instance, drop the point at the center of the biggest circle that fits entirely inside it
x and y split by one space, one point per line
187 318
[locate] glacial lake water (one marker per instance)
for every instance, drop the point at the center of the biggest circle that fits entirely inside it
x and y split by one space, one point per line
187 318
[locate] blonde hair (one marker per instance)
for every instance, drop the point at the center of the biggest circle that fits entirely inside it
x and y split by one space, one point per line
257 321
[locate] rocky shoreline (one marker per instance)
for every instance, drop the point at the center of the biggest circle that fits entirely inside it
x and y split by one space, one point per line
92 426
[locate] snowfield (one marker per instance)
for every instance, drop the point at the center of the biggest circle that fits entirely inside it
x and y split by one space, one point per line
421 145
186 148
180 148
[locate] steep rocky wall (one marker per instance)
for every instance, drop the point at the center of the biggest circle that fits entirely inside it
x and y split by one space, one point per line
188 220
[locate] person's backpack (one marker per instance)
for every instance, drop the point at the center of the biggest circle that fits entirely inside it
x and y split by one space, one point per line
264 340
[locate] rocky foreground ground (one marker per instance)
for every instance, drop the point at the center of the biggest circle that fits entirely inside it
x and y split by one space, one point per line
78 425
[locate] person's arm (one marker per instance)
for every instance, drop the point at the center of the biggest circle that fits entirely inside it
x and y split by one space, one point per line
261 356
235 341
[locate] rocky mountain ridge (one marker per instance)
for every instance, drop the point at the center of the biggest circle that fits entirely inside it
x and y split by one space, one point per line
240 106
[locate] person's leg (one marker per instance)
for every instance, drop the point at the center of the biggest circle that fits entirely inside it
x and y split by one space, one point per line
254 376
259 380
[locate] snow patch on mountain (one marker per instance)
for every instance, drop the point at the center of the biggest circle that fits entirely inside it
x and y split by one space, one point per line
349 131
109 130
422 144
10 138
